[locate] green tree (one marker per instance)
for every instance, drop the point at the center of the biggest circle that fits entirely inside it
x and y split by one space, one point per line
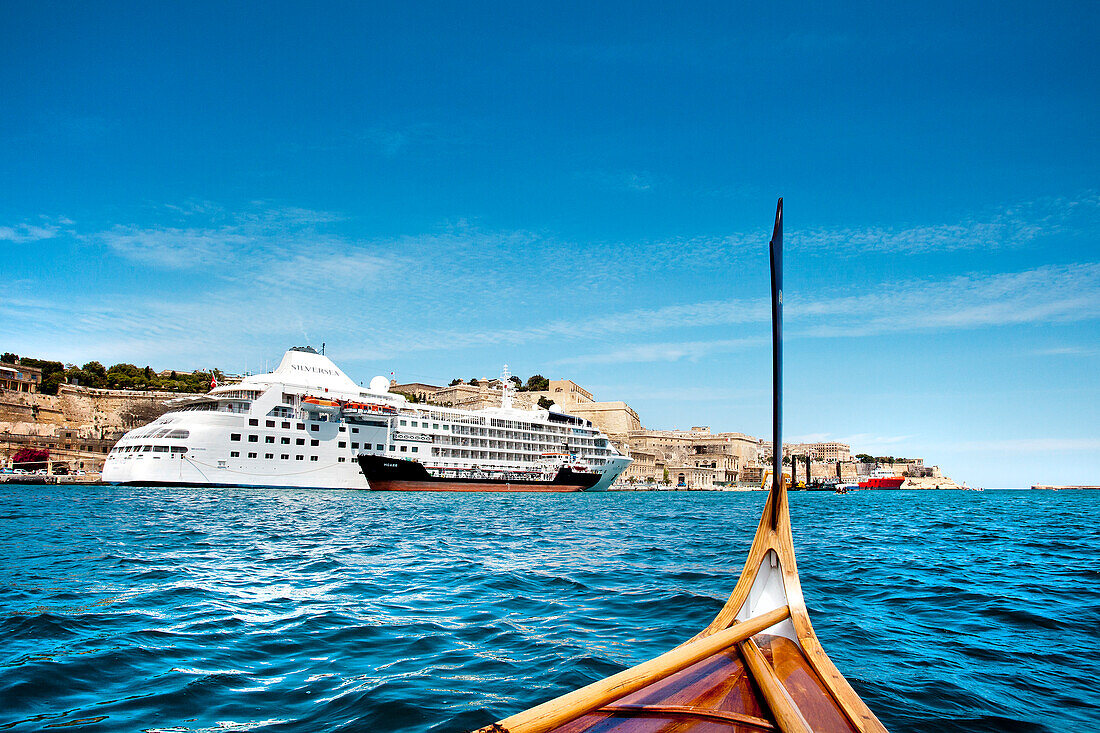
455 381
545 403
474 382
537 383
864 458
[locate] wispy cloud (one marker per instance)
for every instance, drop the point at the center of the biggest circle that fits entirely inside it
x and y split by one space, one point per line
664 351
45 228
1007 227
618 180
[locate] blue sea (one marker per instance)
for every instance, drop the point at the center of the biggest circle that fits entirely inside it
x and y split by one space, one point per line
166 609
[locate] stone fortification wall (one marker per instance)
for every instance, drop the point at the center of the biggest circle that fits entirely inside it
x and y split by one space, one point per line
91 411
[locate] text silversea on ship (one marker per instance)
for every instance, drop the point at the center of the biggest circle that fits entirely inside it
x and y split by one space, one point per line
307 425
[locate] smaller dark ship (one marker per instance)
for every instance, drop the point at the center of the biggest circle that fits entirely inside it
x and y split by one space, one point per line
397 474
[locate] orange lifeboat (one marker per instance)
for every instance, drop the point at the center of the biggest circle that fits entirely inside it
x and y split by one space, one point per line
320 404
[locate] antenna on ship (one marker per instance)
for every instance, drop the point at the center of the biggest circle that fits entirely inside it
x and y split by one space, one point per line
506 390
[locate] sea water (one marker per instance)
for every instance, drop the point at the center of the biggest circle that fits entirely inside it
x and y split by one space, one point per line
168 609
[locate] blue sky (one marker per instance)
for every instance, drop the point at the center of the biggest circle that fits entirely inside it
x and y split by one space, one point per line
583 193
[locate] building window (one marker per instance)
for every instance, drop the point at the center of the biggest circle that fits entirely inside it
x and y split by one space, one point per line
270 423
234 454
253 421
253 438
234 436
314 442
251 455
313 458
269 439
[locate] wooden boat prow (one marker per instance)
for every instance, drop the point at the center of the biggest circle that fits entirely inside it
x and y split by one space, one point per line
758 666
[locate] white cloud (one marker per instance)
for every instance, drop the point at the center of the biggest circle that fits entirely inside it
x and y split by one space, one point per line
47 228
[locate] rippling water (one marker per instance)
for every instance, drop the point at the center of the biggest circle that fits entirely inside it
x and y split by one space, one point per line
142 609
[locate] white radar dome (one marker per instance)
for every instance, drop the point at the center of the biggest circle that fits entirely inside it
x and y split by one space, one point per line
555 407
379 384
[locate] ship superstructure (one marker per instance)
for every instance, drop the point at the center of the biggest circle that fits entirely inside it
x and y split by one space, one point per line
306 424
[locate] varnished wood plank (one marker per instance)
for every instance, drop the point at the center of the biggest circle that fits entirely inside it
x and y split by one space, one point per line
786 714
690 711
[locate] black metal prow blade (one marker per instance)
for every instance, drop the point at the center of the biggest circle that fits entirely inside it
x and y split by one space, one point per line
776 250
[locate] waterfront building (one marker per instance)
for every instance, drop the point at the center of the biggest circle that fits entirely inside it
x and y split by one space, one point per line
19 378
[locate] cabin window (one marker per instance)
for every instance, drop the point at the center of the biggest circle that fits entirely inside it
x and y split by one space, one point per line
300 441
315 428
284 457
313 458
251 455
341 459
343 429
235 454
253 438
301 426
435 426
404 448
342 444
160 449
414 423
234 436
355 430
403 422
286 425
354 445
285 441
253 421
314 442
446 427
380 447
393 447
269 439
270 423
415 449
269 455
297 458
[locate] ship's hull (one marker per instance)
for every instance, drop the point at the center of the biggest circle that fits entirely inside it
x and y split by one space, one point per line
395 474
893 482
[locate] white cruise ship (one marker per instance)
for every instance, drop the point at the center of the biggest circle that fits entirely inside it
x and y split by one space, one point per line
307 425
